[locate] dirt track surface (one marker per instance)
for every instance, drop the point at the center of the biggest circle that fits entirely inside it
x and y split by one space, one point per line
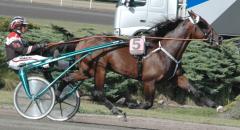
95 122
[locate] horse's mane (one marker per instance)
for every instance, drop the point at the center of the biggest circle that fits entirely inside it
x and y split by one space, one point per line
161 29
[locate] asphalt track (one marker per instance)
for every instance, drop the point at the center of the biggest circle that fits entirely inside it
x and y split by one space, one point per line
11 120
43 11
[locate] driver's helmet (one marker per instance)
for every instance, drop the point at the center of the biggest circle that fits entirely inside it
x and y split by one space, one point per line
17 22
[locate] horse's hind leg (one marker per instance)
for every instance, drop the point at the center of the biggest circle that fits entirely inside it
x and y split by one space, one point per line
70 78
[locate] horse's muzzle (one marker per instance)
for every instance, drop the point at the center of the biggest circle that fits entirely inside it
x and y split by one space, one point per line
220 40
215 41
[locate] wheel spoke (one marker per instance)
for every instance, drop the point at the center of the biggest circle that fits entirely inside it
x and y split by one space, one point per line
61 109
44 99
38 107
69 104
28 106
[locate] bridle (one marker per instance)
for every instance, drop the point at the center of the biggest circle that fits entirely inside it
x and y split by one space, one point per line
208 35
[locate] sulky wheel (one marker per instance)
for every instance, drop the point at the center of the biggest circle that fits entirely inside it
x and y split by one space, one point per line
67 105
34 108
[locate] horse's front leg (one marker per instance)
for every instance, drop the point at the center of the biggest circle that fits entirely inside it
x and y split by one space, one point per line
149 92
184 83
100 74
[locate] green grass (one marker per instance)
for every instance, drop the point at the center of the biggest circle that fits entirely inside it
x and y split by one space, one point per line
197 115
6 98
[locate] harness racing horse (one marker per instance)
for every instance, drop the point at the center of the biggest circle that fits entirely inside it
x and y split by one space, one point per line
160 63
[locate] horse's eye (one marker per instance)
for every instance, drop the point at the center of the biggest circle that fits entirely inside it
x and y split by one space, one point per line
203 25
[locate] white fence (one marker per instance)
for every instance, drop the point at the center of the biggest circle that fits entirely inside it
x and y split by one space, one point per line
91 4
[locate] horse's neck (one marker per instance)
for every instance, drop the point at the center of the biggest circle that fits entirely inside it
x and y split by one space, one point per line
177 47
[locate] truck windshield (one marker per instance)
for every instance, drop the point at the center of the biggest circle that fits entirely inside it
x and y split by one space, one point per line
132 3
119 3
139 2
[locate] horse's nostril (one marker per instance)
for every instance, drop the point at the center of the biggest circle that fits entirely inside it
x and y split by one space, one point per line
220 39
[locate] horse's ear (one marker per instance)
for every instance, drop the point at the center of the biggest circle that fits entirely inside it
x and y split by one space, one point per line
192 14
194 18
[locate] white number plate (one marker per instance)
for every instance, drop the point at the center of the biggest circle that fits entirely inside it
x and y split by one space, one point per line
137 46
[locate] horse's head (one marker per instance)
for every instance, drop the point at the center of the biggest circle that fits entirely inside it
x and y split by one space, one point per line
202 30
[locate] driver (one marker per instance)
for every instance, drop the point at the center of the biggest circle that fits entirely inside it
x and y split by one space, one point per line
17 49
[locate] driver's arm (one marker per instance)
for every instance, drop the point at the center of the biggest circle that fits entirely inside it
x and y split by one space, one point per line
21 49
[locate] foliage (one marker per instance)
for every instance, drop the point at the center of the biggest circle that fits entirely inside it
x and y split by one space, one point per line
66 34
118 86
212 69
10 80
2 65
4 22
45 33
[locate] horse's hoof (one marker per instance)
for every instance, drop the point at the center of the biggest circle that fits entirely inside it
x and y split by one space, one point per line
220 109
57 96
121 101
208 102
132 105
116 111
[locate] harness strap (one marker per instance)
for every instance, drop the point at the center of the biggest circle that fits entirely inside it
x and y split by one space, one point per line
168 54
140 67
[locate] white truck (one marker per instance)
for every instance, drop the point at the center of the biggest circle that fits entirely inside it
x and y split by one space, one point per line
135 16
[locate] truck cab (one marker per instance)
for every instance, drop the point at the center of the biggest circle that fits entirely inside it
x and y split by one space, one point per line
134 16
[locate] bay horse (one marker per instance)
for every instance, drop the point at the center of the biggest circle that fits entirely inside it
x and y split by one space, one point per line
160 63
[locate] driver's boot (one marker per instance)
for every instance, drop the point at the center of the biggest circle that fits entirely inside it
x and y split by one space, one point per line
60 64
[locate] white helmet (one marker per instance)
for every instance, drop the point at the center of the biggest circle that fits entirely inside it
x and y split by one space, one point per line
17 22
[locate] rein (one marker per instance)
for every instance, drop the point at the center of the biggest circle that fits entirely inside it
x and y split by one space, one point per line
147 37
177 39
79 40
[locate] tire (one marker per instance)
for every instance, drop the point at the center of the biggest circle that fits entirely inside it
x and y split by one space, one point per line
38 108
66 109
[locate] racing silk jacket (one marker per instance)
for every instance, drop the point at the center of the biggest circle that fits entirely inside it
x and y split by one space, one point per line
15 46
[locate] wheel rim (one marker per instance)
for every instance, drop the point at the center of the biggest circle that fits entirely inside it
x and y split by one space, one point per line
66 109
34 109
